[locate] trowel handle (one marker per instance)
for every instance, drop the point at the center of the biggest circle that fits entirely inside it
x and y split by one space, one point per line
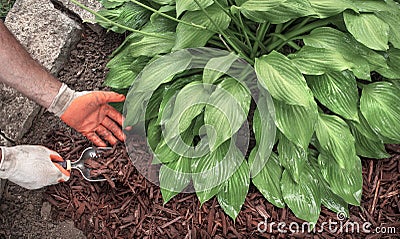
65 164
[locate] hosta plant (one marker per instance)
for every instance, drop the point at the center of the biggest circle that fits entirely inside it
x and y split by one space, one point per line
331 67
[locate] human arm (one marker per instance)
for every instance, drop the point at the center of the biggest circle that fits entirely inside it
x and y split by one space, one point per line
87 112
21 72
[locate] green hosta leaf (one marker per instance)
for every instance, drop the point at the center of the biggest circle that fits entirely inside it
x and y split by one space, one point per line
285 11
268 180
234 191
189 103
283 80
296 122
326 8
363 127
151 46
122 74
368 29
367 147
254 15
347 183
162 70
174 177
129 14
317 61
137 44
164 2
146 45
379 105
332 201
154 103
153 75
372 6
190 5
302 198
335 138
112 3
189 36
207 170
260 5
213 169
153 134
216 66
170 94
264 131
393 19
226 111
292 157
136 112
175 148
337 91
159 23
364 59
393 61
167 9
198 128
328 198
119 106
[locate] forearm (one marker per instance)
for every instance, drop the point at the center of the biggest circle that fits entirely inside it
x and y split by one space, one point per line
21 72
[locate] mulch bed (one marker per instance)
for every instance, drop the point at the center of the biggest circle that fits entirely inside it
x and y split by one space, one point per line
132 207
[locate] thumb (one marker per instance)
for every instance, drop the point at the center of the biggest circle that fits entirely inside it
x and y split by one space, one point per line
108 96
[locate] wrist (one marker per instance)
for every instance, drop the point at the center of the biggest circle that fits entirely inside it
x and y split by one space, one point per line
62 100
6 163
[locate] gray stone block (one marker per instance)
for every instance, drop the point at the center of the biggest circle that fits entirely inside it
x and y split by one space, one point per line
44 31
83 14
16 113
48 35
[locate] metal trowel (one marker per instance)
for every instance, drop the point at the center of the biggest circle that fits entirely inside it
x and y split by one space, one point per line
88 153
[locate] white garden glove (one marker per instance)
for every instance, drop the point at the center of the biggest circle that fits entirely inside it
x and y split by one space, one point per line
32 166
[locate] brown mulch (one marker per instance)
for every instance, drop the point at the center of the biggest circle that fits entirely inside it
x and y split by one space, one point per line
132 207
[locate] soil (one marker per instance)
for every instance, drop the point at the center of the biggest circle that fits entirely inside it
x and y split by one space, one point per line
132 207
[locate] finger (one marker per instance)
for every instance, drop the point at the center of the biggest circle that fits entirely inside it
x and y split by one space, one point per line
106 134
128 128
62 170
96 139
113 128
108 96
115 115
56 158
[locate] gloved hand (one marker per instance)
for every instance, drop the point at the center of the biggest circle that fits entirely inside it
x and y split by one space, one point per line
90 114
31 166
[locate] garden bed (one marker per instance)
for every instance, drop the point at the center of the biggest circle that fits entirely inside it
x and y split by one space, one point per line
132 207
